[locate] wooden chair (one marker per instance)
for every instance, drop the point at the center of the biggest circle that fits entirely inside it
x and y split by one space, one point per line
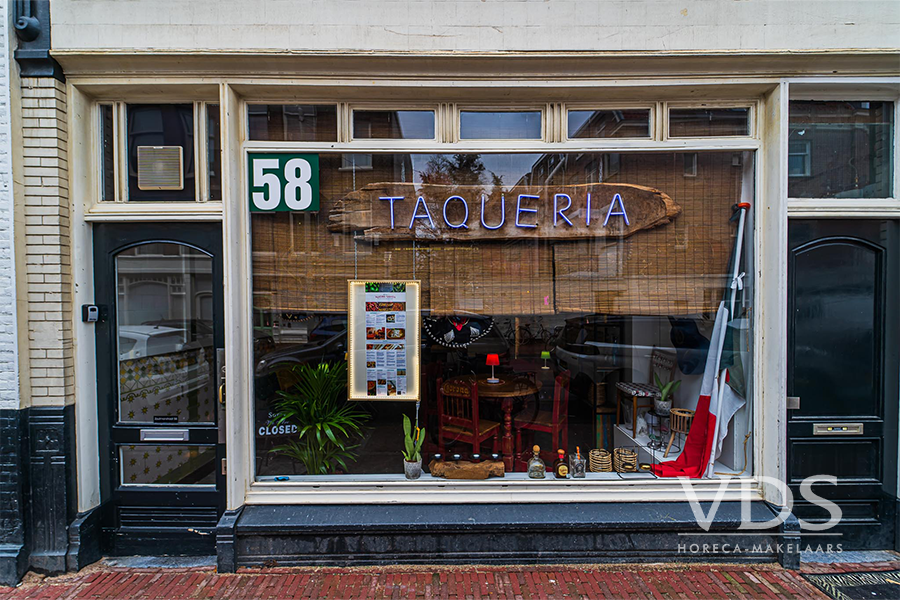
458 419
554 421
642 395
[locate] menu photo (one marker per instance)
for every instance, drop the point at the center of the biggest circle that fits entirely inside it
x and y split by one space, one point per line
384 340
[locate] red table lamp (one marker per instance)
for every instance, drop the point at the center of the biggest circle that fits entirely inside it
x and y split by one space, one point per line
493 360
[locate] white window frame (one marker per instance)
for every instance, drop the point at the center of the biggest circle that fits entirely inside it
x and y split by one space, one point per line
654 132
375 142
752 110
850 89
351 489
201 208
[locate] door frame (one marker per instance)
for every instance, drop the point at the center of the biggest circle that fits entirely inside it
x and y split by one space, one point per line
110 239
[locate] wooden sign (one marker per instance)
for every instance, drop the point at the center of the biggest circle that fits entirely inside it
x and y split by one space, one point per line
402 211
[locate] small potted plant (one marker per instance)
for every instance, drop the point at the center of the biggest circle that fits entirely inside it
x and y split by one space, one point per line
663 404
412 442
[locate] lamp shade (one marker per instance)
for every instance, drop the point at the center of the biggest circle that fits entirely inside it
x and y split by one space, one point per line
545 354
493 360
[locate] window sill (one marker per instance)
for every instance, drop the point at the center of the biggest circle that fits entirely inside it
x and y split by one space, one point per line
596 487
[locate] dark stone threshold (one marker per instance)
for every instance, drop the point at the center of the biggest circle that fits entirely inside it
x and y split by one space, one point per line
345 535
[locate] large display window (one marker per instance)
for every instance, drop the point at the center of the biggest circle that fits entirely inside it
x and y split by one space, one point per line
586 303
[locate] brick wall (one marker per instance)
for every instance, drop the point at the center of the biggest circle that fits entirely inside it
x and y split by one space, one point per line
9 372
47 244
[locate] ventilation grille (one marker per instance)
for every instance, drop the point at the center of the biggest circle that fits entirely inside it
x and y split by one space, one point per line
171 517
160 168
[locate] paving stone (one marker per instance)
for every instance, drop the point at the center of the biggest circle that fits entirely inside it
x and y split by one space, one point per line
579 582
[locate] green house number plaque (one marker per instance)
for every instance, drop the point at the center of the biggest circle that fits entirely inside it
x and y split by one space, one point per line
283 182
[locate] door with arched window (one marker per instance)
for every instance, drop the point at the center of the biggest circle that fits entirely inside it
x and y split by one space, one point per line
843 304
159 356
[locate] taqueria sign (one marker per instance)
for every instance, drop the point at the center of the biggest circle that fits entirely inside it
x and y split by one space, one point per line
394 211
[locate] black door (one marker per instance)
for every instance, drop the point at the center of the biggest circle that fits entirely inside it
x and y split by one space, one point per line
843 365
159 357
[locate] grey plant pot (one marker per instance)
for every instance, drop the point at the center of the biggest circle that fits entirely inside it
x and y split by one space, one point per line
662 407
413 470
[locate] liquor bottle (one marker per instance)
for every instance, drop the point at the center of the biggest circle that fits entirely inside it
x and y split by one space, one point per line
560 466
577 464
536 467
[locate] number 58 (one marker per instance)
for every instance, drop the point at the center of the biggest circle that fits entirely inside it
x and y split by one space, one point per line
292 182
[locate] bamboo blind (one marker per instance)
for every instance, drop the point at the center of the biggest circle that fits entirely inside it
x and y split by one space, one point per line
678 268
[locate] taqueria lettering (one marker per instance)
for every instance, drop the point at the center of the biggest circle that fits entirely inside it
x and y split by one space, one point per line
401 211
523 207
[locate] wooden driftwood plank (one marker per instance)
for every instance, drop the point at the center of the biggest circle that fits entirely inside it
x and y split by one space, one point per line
363 212
467 470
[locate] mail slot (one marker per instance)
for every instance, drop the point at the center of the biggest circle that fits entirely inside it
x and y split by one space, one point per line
165 435
837 429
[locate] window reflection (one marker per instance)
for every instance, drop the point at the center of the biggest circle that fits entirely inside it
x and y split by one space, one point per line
840 149
506 125
153 125
593 309
393 124
708 122
633 123
292 122
164 320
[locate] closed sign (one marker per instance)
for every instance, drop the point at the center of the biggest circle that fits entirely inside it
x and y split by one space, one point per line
283 182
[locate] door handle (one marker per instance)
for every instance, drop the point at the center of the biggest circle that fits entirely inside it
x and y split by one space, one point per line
222 394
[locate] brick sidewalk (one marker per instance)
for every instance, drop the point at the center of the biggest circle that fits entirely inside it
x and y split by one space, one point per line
510 583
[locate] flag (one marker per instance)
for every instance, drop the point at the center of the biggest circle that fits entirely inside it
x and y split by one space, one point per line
694 460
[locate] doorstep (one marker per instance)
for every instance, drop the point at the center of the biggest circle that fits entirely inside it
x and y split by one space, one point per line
372 534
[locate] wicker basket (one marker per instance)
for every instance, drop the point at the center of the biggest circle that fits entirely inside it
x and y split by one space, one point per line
601 461
625 460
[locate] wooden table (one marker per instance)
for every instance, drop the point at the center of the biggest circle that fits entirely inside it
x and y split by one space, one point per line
510 388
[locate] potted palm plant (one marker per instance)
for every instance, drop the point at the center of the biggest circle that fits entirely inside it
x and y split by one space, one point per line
327 425
663 404
412 442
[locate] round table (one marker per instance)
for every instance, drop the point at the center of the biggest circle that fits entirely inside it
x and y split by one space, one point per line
507 391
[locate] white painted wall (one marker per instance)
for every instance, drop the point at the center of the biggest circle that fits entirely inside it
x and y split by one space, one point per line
476 25
9 357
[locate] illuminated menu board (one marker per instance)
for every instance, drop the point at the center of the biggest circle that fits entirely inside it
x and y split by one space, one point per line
384 340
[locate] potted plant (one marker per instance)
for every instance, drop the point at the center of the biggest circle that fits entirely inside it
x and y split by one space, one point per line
327 426
412 442
663 404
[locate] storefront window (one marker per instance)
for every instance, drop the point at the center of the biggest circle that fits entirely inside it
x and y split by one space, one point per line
503 125
107 154
840 149
633 123
586 279
393 124
292 122
161 152
214 151
708 122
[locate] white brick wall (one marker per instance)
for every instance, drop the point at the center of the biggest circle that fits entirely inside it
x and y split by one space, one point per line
47 247
9 363
476 25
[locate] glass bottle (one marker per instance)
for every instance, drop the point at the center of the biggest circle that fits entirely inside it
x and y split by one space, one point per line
560 465
536 467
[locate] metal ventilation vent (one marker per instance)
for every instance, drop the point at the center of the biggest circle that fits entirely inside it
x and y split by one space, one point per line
160 168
